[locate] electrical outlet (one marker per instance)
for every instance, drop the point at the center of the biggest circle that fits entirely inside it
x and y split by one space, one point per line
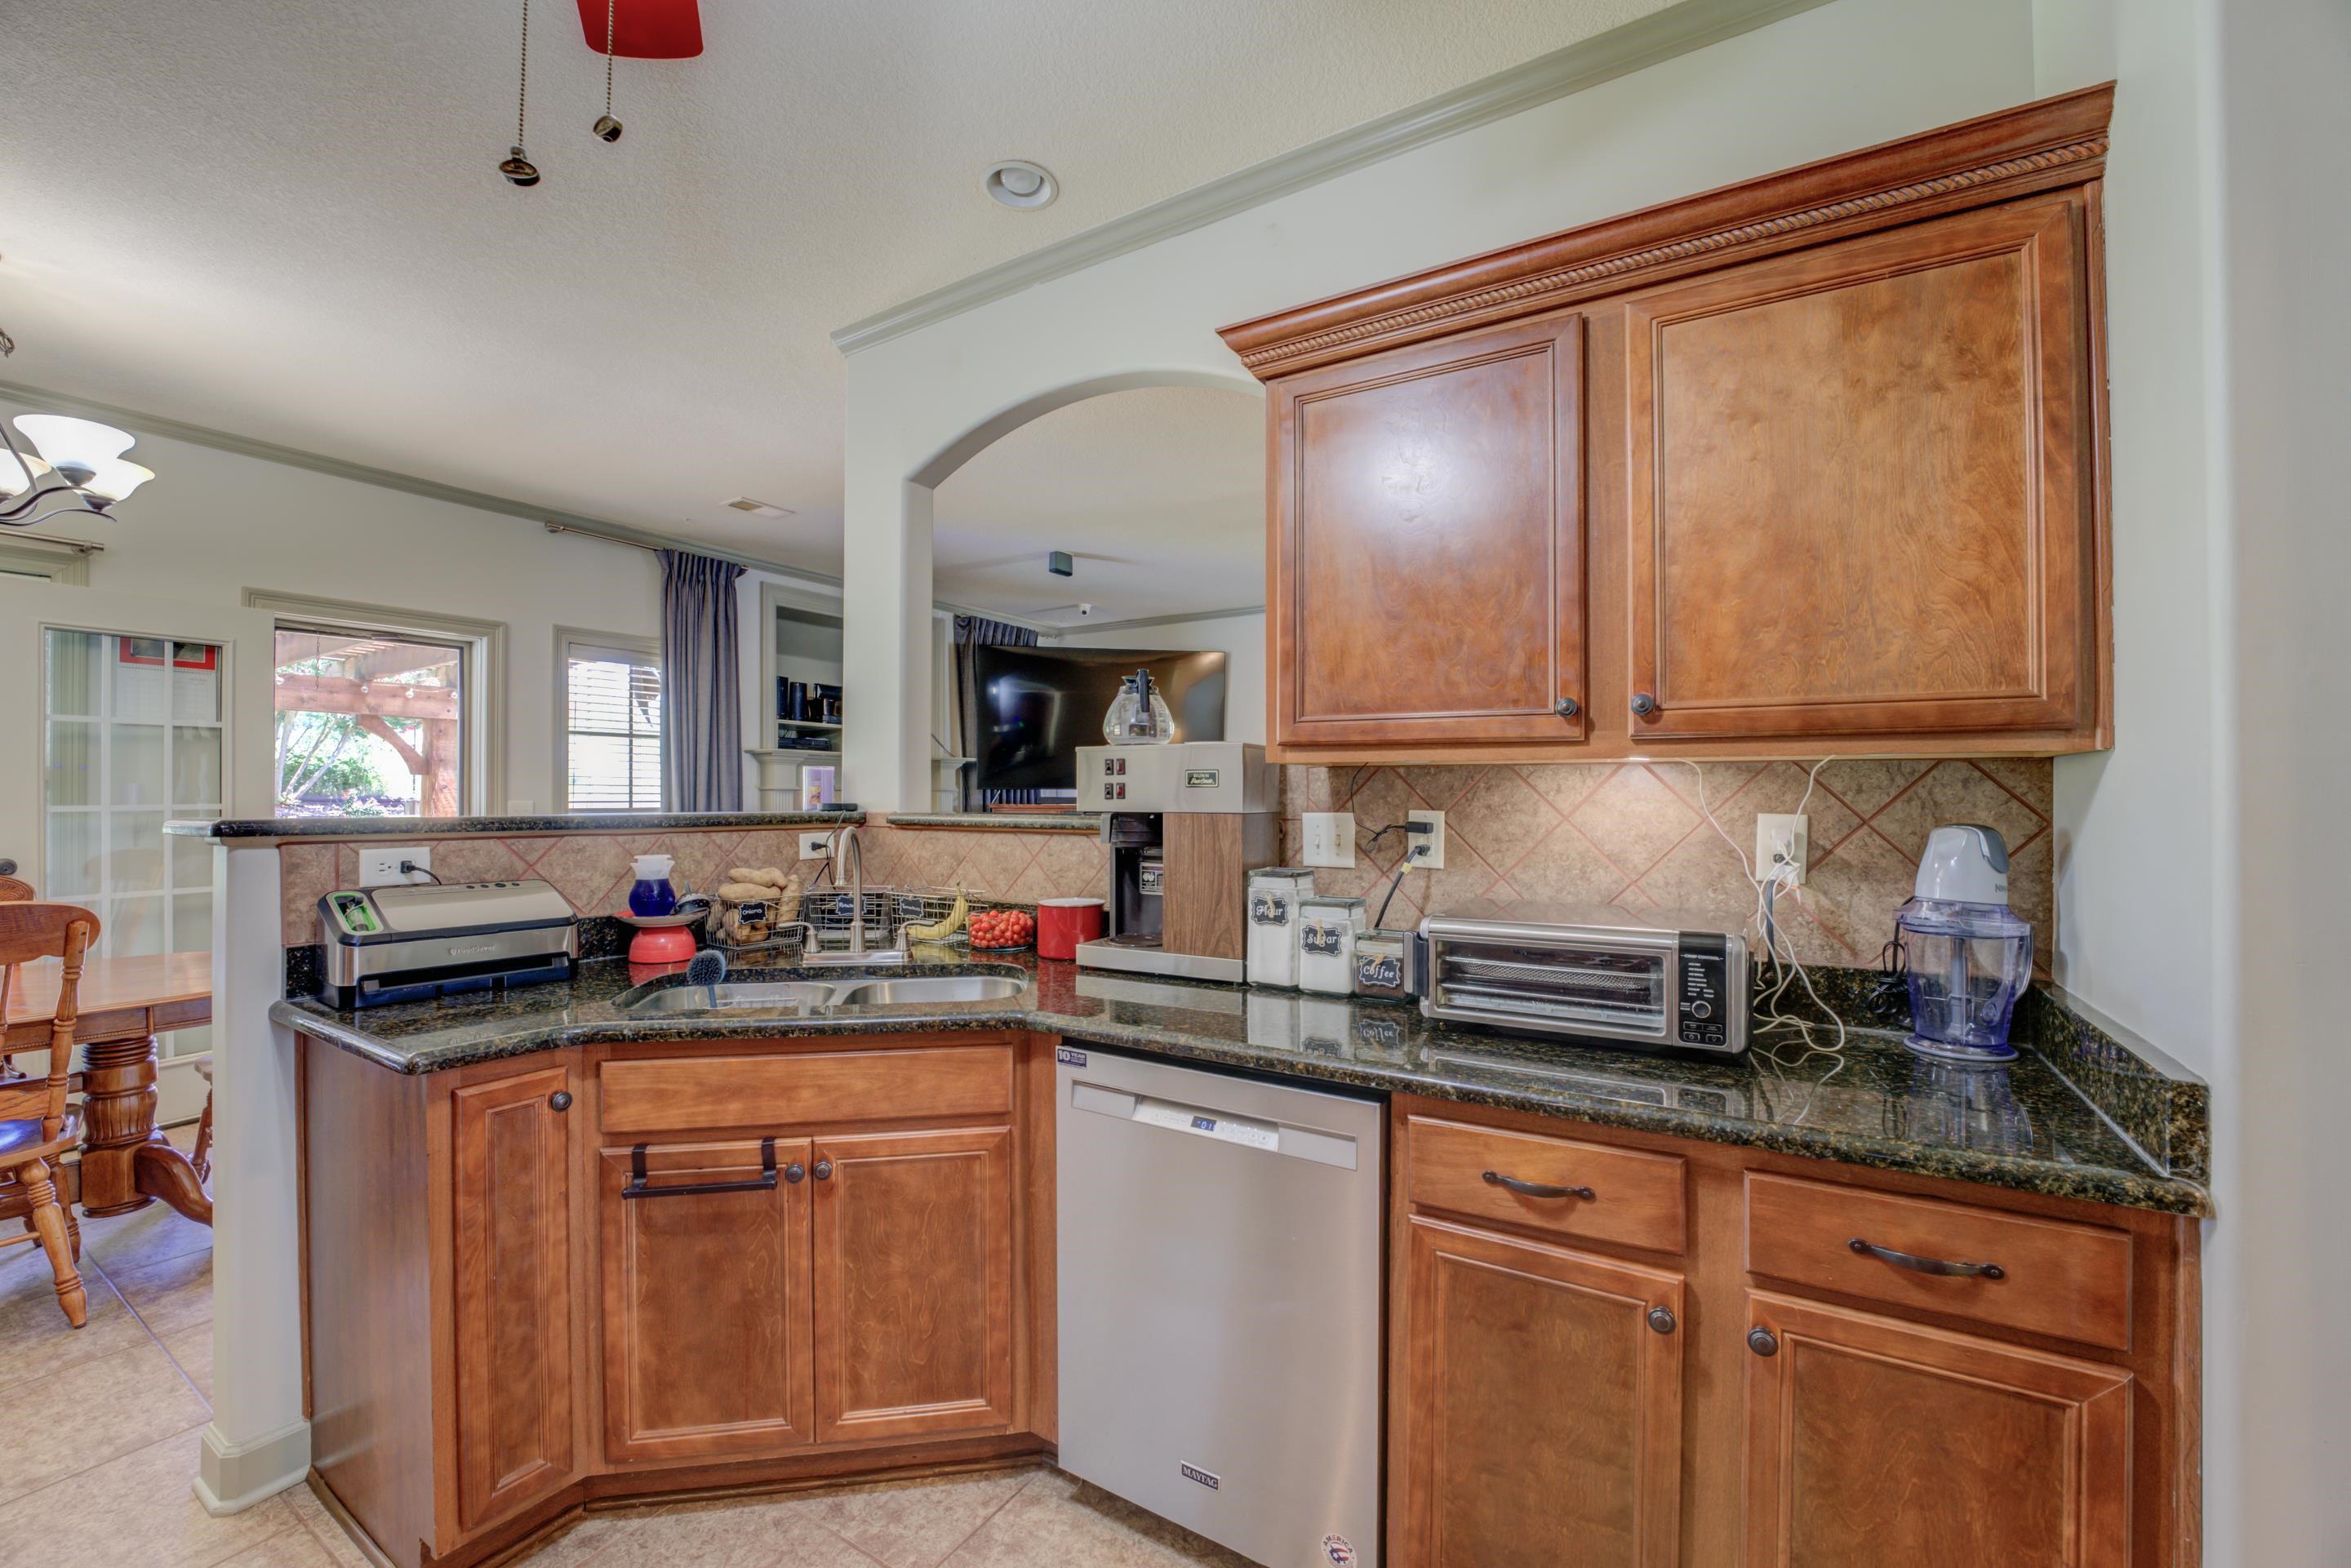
1425 852
1329 839
380 867
815 846
1781 838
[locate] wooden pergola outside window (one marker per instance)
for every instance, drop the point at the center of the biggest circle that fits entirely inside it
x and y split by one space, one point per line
354 710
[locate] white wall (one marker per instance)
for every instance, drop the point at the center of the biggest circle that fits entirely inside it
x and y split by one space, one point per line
212 524
1820 83
1240 637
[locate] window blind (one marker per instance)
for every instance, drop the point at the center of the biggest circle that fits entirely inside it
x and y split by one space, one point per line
613 723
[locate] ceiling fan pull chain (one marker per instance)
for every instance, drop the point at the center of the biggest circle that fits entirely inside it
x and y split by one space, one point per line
608 128
517 167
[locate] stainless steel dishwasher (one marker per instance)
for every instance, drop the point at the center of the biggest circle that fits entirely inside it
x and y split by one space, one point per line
1219 1281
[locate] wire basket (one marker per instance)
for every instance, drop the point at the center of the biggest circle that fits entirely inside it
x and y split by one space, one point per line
829 913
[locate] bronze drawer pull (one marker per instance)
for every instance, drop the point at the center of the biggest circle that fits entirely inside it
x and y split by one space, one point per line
639 1186
1919 1265
1536 1188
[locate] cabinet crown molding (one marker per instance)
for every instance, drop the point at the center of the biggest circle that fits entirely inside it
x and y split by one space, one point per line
1995 157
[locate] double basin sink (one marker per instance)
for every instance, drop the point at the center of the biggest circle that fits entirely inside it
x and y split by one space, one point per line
669 999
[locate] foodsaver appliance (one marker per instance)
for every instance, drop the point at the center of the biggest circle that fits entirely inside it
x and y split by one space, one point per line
408 941
1599 971
1186 823
1219 1267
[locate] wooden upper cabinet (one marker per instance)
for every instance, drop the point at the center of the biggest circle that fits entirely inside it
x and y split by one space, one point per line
706 1283
1427 543
914 1283
1816 458
1859 498
510 1214
1871 1441
1541 1416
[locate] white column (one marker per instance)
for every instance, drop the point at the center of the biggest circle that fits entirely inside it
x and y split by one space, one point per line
886 639
258 1443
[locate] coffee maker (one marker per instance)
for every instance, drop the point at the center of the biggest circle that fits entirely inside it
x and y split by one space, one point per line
1186 823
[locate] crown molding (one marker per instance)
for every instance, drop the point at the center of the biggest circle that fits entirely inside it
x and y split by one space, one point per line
1653 39
385 478
2037 146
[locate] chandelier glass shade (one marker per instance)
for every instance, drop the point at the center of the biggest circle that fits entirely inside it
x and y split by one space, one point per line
76 465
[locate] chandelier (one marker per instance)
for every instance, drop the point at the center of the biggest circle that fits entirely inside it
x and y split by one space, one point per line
76 466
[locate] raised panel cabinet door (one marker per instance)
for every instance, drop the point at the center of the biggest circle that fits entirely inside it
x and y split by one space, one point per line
510 1212
706 1287
1861 487
1871 1441
914 1283
1427 543
1541 1411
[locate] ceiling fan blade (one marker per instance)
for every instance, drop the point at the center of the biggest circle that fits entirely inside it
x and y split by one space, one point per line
645 29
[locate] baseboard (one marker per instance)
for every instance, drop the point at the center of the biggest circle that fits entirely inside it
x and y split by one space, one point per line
233 1477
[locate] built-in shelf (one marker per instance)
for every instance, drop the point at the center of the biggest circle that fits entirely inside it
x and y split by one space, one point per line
805 723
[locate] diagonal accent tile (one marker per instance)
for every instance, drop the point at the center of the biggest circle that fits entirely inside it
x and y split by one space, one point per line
1501 817
1867 784
475 860
1439 786
1953 792
1565 784
2032 779
1564 868
1635 818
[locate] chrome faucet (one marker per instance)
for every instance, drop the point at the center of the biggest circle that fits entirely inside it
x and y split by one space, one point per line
848 847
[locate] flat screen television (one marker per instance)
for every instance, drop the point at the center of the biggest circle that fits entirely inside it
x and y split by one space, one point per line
1038 706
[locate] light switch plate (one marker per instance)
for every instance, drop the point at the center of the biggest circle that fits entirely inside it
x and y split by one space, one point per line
1329 839
380 864
1780 836
1425 852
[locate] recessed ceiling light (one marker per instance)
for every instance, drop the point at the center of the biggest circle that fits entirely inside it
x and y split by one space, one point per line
759 508
1016 182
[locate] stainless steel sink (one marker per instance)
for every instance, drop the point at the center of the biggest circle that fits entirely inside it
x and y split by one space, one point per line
738 996
817 995
907 989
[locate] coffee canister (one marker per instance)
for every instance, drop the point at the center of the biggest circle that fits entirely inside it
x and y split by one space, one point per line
1273 896
1328 925
1379 964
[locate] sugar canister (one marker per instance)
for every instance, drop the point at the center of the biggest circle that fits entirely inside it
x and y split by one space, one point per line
1327 928
1273 894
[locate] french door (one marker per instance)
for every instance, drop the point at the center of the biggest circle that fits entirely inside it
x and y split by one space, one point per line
118 714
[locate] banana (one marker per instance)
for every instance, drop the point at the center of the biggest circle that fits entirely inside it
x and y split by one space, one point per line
940 931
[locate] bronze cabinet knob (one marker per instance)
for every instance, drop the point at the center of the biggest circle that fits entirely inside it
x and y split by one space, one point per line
1762 1341
560 1100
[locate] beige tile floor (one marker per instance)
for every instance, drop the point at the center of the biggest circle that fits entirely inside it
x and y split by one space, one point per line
114 1412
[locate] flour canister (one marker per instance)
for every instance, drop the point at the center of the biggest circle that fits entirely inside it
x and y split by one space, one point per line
1327 928
1273 896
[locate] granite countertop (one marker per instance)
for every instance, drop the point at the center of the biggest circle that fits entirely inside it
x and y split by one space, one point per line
264 828
2024 1126
1020 822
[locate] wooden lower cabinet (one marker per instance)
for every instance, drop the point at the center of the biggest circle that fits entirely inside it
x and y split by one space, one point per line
1874 1441
705 1288
510 1211
914 1283
1540 1418
1848 1384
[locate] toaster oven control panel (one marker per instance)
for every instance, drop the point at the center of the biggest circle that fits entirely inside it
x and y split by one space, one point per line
1703 999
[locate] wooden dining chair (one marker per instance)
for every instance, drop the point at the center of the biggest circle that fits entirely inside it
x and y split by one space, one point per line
35 1123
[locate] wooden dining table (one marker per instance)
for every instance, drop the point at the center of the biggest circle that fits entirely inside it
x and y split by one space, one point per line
123 1004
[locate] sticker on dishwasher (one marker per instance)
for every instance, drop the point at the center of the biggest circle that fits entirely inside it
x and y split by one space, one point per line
1069 1057
1340 1552
1194 1473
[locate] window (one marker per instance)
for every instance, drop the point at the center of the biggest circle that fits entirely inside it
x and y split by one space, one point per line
370 723
612 724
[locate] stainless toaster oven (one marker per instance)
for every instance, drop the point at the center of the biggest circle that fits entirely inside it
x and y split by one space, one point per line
1648 977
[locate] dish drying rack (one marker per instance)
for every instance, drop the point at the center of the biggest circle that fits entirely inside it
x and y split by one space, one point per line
887 911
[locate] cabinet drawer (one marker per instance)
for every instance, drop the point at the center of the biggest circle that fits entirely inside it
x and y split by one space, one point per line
2054 1278
1635 1199
678 1094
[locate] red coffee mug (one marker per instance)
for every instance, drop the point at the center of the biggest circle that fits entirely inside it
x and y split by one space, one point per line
1063 922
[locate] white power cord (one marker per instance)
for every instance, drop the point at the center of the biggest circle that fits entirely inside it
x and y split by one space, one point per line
1782 952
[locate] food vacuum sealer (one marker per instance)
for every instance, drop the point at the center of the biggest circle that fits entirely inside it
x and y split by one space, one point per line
408 941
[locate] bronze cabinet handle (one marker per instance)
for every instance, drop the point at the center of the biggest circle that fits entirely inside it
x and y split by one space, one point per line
640 1182
1919 1265
1536 1188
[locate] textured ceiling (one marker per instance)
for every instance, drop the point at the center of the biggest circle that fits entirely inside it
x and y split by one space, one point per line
284 222
1160 495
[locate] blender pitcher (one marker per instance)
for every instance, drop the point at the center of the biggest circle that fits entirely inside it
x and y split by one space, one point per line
1969 956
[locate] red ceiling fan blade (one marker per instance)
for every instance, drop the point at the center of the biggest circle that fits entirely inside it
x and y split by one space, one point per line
645 29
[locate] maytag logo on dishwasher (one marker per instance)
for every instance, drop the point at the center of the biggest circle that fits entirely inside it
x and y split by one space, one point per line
1194 1473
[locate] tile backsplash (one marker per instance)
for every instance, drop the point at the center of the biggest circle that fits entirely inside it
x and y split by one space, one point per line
1632 833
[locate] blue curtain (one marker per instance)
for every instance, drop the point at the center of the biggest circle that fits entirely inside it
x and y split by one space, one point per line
701 683
979 632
